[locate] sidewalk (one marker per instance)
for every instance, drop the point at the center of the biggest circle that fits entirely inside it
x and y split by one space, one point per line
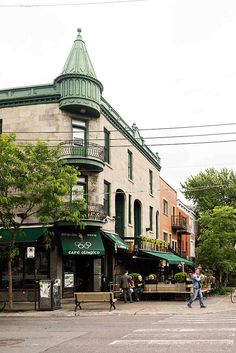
214 304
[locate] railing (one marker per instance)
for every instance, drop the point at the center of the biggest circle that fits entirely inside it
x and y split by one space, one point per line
71 149
179 222
138 243
94 212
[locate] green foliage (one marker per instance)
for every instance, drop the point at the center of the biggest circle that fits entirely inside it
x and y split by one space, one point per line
135 275
222 290
180 277
33 183
211 188
216 248
152 277
32 178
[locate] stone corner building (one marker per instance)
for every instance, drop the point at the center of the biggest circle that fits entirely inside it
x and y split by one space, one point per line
119 178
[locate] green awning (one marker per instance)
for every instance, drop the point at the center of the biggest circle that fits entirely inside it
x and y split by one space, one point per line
82 244
23 235
171 258
116 239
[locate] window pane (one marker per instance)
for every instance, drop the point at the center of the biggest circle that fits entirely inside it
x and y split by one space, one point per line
106 200
130 209
130 165
106 146
151 217
150 182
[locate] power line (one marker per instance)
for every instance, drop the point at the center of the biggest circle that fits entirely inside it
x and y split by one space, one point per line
71 4
151 145
129 129
179 143
199 188
147 138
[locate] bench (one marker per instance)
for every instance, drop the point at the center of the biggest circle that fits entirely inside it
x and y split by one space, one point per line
94 297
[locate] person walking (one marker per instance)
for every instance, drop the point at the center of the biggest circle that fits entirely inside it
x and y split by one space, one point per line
197 292
125 283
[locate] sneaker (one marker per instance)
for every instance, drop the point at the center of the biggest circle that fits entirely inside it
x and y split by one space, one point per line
189 305
203 306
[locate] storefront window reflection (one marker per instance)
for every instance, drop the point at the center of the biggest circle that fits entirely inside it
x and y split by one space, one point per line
23 269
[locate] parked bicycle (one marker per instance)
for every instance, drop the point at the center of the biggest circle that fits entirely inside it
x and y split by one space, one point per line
233 295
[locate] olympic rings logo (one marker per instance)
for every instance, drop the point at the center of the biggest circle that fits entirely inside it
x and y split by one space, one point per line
85 245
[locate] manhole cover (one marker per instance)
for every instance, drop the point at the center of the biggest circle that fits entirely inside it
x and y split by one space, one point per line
10 341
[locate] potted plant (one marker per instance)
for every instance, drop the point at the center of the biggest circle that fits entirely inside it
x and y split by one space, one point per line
180 279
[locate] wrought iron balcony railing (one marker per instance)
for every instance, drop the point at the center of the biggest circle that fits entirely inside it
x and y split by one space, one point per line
94 212
179 223
74 149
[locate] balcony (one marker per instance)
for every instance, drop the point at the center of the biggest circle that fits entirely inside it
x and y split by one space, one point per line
94 215
179 224
89 157
146 243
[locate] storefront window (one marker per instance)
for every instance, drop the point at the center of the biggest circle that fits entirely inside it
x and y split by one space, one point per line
23 269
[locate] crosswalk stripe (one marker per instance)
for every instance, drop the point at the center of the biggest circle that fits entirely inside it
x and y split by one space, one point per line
159 330
173 342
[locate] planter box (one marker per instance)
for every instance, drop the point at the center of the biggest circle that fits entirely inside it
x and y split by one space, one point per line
150 287
180 287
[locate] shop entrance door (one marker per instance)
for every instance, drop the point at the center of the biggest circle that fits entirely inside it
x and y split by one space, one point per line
84 274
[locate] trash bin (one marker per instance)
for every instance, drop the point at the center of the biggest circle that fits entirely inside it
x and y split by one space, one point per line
49 294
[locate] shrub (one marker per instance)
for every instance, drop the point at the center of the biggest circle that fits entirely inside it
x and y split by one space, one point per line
135 275
180 277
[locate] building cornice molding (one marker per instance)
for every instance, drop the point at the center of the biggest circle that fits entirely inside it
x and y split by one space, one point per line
40 94
114 118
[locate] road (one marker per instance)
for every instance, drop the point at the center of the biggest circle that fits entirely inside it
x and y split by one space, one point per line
163 333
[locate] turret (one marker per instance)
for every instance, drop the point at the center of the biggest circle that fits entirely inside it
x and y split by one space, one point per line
79 87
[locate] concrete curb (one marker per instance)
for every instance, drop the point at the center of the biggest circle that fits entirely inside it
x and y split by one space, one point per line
215 304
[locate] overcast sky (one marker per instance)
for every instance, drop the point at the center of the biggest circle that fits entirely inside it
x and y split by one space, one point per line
163 63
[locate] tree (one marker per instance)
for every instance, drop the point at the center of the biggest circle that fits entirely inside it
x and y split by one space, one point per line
33 183
211 188
216 248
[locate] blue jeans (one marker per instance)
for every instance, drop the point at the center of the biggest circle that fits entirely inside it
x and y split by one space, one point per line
138 291
197 293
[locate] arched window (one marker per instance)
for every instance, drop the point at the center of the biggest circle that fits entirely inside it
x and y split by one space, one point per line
120 212
137 218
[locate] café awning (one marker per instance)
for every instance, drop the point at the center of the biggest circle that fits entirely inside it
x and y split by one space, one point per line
82 244
171 258
116 239
23 235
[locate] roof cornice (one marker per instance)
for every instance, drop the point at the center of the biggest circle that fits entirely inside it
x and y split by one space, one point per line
115 119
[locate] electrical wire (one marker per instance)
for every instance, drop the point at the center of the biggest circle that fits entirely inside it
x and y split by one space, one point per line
200 188
151 145
131 130
147 137
71 4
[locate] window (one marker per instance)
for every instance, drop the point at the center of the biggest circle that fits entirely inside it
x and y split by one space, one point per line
173 245
165 207
79 191
130 165
130 210
157 225
79 132
106 146
165 237
173 214
0 126
150 182
106 200
151 218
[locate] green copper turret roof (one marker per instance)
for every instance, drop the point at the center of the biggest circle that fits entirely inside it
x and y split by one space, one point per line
78 61
80 89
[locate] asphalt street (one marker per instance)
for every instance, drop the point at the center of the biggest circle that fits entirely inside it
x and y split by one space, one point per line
188 331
